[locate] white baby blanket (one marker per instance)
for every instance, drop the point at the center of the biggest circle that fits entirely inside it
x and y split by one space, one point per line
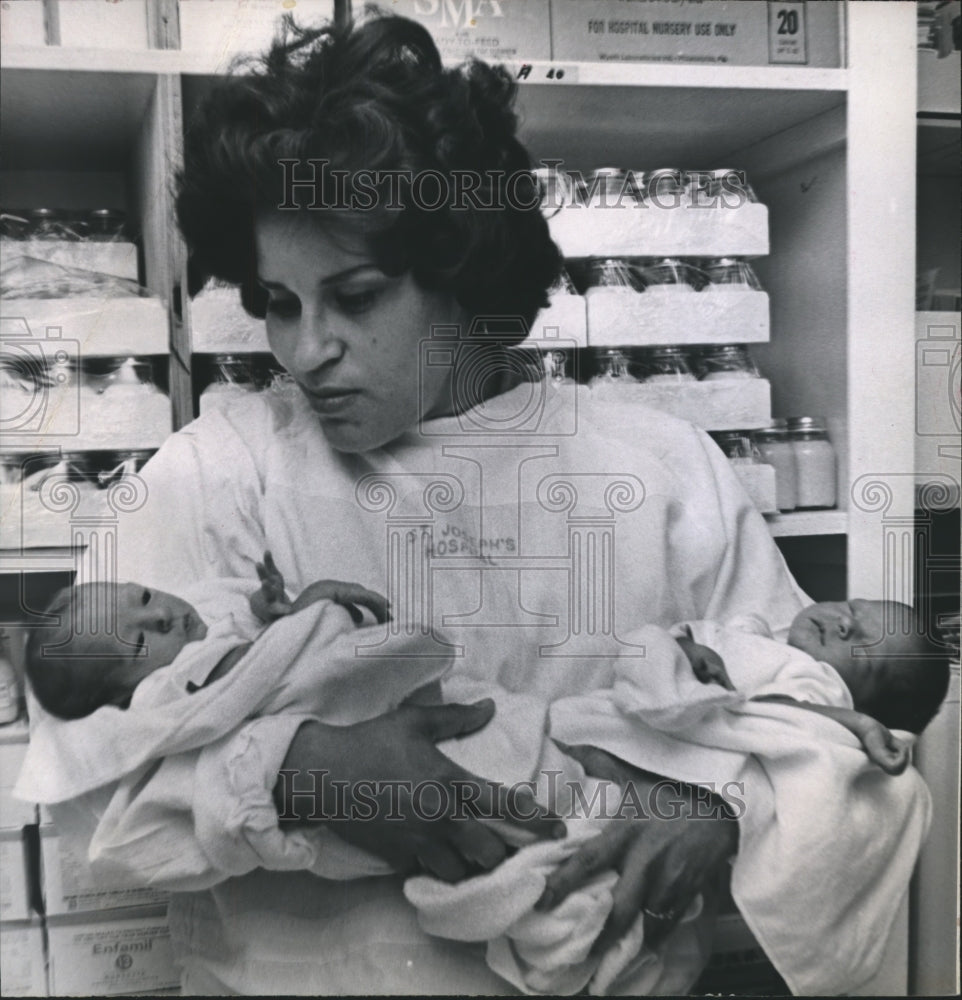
819 904
312 662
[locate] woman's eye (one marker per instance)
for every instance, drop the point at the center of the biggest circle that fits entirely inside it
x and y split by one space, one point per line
283 305
145 598
356 302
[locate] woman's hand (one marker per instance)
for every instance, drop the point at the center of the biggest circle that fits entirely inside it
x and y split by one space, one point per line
664 858
384 786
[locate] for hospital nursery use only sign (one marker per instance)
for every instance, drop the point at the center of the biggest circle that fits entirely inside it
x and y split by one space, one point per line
738 32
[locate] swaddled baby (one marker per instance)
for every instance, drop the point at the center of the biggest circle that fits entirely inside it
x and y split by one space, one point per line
892 671
77 668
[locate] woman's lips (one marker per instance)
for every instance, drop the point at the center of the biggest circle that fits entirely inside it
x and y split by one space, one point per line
330 402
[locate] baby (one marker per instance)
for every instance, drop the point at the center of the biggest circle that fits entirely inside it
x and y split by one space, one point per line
88 669
897 678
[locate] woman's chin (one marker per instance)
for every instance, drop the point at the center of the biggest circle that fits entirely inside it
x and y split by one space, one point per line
351 438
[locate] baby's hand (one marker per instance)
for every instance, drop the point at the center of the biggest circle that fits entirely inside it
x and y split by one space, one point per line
706 664
352 596
884 748
270 601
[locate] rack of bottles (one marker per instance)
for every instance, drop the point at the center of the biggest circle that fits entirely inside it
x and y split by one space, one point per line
661 298
83 373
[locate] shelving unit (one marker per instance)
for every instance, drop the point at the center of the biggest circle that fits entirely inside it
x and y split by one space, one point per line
938 342
840 190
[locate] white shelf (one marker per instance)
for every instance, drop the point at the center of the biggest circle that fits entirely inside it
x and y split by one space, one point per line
808 522
45 560
590 74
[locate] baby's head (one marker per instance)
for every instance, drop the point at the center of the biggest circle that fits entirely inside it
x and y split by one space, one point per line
108 639
894 671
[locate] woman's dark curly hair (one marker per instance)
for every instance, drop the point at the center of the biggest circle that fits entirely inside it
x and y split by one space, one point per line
371 97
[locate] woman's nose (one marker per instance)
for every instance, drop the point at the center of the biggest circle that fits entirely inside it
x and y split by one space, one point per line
844 626
315 344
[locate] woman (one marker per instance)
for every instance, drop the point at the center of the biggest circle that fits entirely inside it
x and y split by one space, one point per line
415 457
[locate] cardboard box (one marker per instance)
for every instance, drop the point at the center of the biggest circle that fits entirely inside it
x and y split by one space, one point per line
21 23
69 885
23 969
495 30
14 814
718 405
733 32
119 953
103 24
663 316
223 29
651 231
13 877
117 258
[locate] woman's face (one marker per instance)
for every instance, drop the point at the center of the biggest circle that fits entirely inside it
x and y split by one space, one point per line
349 334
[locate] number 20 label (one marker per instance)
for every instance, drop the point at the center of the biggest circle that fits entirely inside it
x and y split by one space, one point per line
787 36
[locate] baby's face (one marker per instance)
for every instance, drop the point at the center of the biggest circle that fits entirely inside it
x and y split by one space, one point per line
833 630
152 627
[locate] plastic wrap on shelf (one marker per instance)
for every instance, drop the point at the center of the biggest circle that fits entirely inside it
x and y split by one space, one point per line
88 325
724 362
565 316
219 324
43 495
22 963
709 405
616 320
612 381
233 376
116 258
124 951
664 364
82 403
26 277
92 240
658 213
633 301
